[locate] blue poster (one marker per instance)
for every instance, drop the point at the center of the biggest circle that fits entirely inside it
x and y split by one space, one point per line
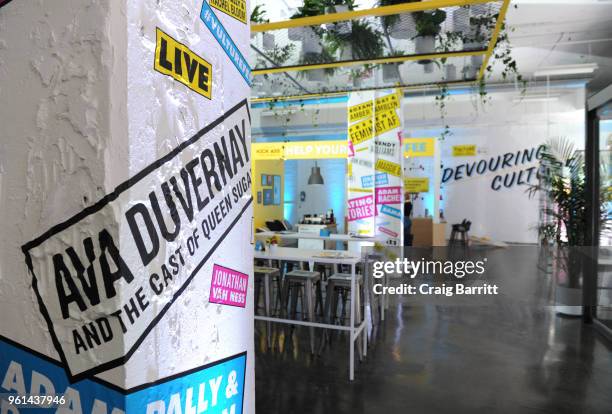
213 23
216 388
381 179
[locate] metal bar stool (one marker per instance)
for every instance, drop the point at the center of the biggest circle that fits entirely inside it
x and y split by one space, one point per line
293 283
265 275
462 230
339 286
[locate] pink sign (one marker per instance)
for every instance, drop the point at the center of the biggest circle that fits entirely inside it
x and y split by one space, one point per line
389 195
361 207
228 287
387 231
351 149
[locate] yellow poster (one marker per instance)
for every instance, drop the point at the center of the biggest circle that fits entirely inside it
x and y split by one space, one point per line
386 121
176 60
360 111
267 151
360 132
464 150
416 184
234 8
418 147
388 167
387 102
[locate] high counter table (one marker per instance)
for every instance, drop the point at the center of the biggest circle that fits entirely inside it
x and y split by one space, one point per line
322 256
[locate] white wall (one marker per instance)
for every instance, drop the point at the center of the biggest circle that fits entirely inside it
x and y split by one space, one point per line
506 124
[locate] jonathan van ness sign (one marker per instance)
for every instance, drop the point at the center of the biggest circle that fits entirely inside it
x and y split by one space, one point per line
106 276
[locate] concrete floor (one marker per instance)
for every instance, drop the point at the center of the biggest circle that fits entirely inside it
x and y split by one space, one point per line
507 358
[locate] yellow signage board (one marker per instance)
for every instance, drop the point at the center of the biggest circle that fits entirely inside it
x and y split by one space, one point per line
299 150
312 150
464 150
234 8
176 60
360 111
267 151
416 185
360 132
388 167
386 121
418 147
387 102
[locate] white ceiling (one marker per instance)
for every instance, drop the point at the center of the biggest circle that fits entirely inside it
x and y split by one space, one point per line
550 33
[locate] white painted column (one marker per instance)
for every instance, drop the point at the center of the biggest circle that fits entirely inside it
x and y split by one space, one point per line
126 257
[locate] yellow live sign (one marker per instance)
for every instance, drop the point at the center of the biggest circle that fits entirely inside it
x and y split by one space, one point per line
464 150
418 147
416 184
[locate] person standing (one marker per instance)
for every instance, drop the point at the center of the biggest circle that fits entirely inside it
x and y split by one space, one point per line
407 220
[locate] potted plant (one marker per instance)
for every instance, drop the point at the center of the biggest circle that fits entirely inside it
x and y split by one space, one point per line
562 182
317 75
258 16
308 8
428 25
362 43
340 6
398 26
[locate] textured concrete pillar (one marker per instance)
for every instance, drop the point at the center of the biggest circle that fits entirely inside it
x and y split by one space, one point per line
125 202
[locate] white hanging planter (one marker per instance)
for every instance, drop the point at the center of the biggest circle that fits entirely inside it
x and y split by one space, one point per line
390 72
346 53
357 82
461 20
469 72
311 43
296 34
404 28
424 45
428 67
477 61
450 72
315 75
268 41
343 27
472 46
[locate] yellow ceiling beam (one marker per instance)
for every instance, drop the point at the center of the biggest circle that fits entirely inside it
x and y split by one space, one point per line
355 14
493 41
396 59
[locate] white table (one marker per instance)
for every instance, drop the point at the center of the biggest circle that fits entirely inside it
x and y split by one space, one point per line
323 256
357 241
331 237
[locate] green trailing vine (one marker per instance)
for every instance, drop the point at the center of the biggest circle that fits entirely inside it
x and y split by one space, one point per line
258 15
441 99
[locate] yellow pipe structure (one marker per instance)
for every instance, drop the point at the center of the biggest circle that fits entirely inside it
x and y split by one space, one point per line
493 41
355 14
281 69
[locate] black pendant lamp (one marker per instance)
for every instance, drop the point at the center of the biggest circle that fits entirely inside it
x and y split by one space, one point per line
315 175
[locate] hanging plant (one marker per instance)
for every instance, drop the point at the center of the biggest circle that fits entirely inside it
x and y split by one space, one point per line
441 99
364 41
400 26
503 54
258 15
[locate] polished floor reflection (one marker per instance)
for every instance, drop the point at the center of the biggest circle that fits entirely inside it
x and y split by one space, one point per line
510 357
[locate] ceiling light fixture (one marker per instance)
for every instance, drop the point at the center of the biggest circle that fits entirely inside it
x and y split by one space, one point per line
566 70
